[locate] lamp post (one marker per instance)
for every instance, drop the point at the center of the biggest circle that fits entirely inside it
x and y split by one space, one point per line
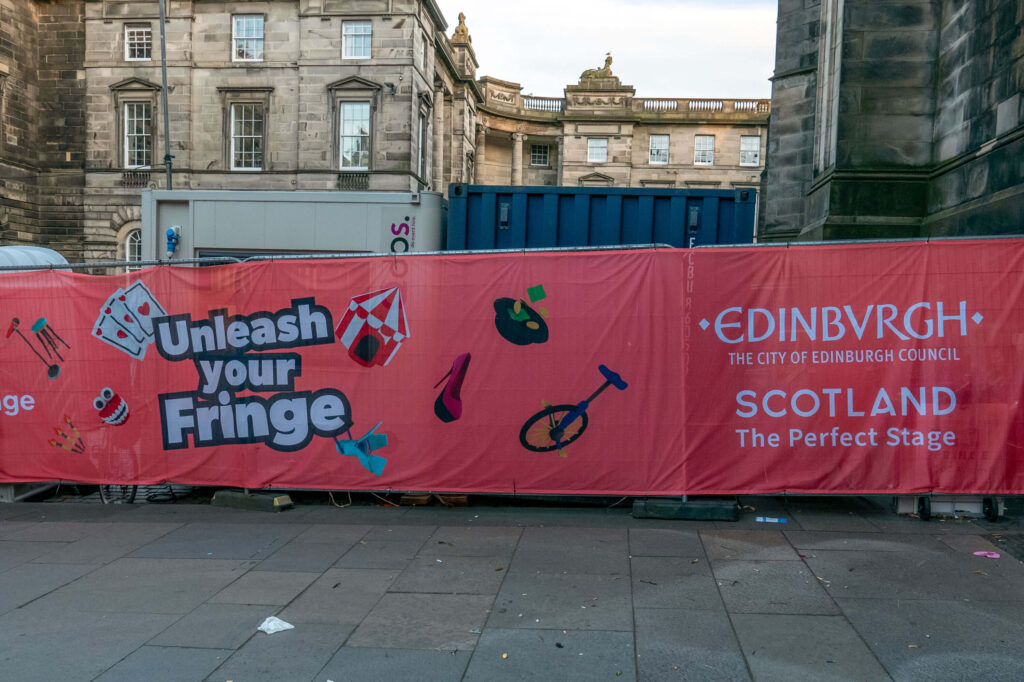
167 117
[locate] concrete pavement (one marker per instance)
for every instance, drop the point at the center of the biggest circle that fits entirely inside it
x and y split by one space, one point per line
844 590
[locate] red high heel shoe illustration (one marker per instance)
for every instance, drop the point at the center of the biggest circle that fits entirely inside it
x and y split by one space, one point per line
448 406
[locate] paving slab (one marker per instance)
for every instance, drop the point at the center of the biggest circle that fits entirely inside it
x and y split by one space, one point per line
42 643
918 575
567 601
265 587
304 557
863 542
291 655
665 542
113 543
483 541
748 545
941 639
201 540
400 533
598 551
683 644
423 621
364 664
812 648
215 626
674 582
28 582
546 654
15 553
382 554
172 586
342 535
453 575
772 587
891 523
341 596
819 519
165 664
60 531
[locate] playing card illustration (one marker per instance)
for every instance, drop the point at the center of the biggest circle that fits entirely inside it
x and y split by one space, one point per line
143 306
126 320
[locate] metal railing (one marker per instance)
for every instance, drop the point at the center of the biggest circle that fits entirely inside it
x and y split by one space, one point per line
555 104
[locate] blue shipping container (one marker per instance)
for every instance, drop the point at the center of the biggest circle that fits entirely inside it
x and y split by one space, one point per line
498 217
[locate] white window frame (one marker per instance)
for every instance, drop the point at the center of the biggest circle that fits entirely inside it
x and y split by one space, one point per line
540 155
756 150
130 41
342 136
347 35
129 119
257 139
652 151
235 37
133 250
592 148
702 155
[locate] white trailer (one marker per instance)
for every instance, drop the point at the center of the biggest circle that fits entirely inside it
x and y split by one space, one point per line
243 223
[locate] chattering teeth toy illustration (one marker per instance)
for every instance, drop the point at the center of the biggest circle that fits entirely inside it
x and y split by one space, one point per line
112 408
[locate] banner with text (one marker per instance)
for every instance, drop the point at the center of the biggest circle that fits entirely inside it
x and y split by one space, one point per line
840 369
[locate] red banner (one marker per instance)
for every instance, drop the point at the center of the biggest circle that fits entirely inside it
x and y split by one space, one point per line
838 369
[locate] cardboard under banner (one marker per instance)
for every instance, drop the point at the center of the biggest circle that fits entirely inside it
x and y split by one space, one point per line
874 368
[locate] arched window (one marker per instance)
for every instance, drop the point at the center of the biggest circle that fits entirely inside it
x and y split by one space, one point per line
133 250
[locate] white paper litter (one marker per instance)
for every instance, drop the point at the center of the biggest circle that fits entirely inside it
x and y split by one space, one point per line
274 624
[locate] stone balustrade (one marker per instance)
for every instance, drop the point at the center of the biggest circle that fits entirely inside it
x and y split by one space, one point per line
555 104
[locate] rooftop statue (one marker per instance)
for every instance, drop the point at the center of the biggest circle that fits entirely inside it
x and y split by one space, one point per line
603 72
461 34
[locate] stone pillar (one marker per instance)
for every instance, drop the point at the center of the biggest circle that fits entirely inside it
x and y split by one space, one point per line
481 147
517 158
561 150
438 173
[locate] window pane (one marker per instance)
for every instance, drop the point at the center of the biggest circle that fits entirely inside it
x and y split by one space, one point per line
597 150
355 135
138 42
750 150
247 136
659 148
704 149
137 135
357 37
539 155
133 250
248 38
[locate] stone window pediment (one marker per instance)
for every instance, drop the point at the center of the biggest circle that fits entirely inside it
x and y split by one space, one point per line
134 84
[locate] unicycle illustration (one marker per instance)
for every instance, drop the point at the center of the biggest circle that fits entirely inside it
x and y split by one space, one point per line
556 426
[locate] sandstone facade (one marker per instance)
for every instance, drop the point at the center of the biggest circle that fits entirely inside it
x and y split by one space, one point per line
81 113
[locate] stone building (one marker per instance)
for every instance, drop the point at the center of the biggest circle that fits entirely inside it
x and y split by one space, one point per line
600 134
308 95
897 119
